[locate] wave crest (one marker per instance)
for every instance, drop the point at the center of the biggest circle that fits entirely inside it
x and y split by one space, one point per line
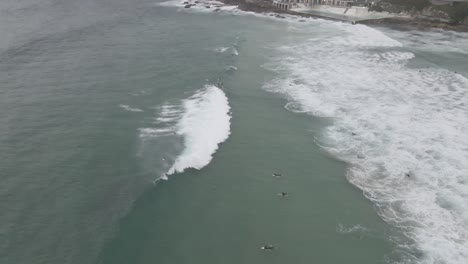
204 124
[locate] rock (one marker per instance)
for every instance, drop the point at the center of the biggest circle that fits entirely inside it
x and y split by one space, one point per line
185 3
208 6
302 20
187 6
196 2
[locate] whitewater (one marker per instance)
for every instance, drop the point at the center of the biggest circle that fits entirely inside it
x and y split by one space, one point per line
402 129
202 120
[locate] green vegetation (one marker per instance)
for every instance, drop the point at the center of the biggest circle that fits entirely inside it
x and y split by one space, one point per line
410 5
458 12
398 6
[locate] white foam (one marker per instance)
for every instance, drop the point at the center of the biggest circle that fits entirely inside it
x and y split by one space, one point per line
130 109
163 119
235 52
402 130
168 115
352 229
204 124
231 68
221 49
434 40
152 132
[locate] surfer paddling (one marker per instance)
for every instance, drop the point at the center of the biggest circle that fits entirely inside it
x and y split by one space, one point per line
268 247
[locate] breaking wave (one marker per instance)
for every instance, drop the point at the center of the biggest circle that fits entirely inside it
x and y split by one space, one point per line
202 121
402 130
204 124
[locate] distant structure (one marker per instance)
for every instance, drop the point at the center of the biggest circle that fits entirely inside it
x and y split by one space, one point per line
288 4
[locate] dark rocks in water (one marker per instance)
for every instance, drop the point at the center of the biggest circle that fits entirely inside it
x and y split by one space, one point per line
196 2
187 6
353 134
217 9
278 16
360 156
208 6
302 20
185 3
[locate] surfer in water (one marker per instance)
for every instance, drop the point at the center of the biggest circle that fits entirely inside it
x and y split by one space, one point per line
267 247
277 175
283 194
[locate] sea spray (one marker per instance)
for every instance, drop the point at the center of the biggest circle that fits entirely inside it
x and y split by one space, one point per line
204 124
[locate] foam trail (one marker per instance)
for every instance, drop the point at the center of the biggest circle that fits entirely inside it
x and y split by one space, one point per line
169 114
130 109
403 130
231 68
221 49
341 229
204 124
152 132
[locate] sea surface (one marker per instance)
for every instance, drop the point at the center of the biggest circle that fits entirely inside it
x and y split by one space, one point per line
144 132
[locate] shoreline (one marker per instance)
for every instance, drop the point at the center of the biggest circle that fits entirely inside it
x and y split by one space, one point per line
260 6
414 22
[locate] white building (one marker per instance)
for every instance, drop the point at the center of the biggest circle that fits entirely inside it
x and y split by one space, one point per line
287 4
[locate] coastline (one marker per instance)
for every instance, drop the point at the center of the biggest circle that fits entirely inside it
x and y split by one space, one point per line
414 22
261 6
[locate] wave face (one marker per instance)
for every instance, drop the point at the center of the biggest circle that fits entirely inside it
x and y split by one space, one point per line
204 124
403 130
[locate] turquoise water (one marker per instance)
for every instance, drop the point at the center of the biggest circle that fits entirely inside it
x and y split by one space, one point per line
100 100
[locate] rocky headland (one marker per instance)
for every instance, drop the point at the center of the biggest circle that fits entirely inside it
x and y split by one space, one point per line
422 18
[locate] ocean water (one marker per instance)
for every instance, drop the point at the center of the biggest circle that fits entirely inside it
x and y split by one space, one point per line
145 132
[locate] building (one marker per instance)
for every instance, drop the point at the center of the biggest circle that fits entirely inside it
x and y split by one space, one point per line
337 2
288 4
